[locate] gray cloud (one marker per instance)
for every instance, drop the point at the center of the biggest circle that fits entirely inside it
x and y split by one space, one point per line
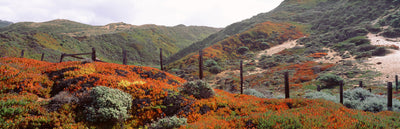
217 13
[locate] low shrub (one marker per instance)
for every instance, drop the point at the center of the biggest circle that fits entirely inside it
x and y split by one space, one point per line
176 103
105 104
362 99
264 45
379 51
365 48
391 33
60 99
215 69
210 63
360 41
321 95
329 80
168 123
242 50
254 92
199 89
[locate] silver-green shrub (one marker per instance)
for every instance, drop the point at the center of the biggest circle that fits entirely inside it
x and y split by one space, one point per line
168 123
321 95
362 99
107 105
254 92
354 98
199 89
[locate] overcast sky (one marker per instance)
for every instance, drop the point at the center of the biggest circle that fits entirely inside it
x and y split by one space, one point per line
215 13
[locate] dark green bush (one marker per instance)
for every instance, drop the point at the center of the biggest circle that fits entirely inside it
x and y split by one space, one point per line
363 54
168 123
373 29
365 48
107 105
199 89
215 69
391 33
360 41
242 50
210 63
379 51
264 45
213 66
329 80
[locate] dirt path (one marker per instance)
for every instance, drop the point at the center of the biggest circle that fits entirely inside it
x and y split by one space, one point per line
269 52
278 48
388 65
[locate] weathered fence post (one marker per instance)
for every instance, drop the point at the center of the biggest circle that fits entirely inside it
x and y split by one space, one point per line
318 88
93 54
390 96
201 64
124 57
41 59
161 60
360 84
62 57
22 53
286 74
241 77
341 92
397 82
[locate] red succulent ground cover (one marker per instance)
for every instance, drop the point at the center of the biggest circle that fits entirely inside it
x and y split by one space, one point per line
317 55
155 95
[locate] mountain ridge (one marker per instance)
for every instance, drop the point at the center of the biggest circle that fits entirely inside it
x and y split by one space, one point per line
65 36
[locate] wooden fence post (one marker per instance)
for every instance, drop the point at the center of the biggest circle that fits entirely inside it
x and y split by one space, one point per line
41 59
161 60
124 57
241 76
360 84
62 57
93 54
390 96
286 74
397 82
341 92
22 53
201 64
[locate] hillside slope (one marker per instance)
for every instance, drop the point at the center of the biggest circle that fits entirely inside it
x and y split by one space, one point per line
4 23
36 94
63 36
288 11
319 25
331 21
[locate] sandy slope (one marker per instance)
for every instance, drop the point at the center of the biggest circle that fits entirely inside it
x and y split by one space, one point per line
271 51
390 64
257 70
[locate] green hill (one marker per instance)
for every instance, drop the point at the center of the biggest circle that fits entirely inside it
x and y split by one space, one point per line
337 19
326 23
4 23
63 36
